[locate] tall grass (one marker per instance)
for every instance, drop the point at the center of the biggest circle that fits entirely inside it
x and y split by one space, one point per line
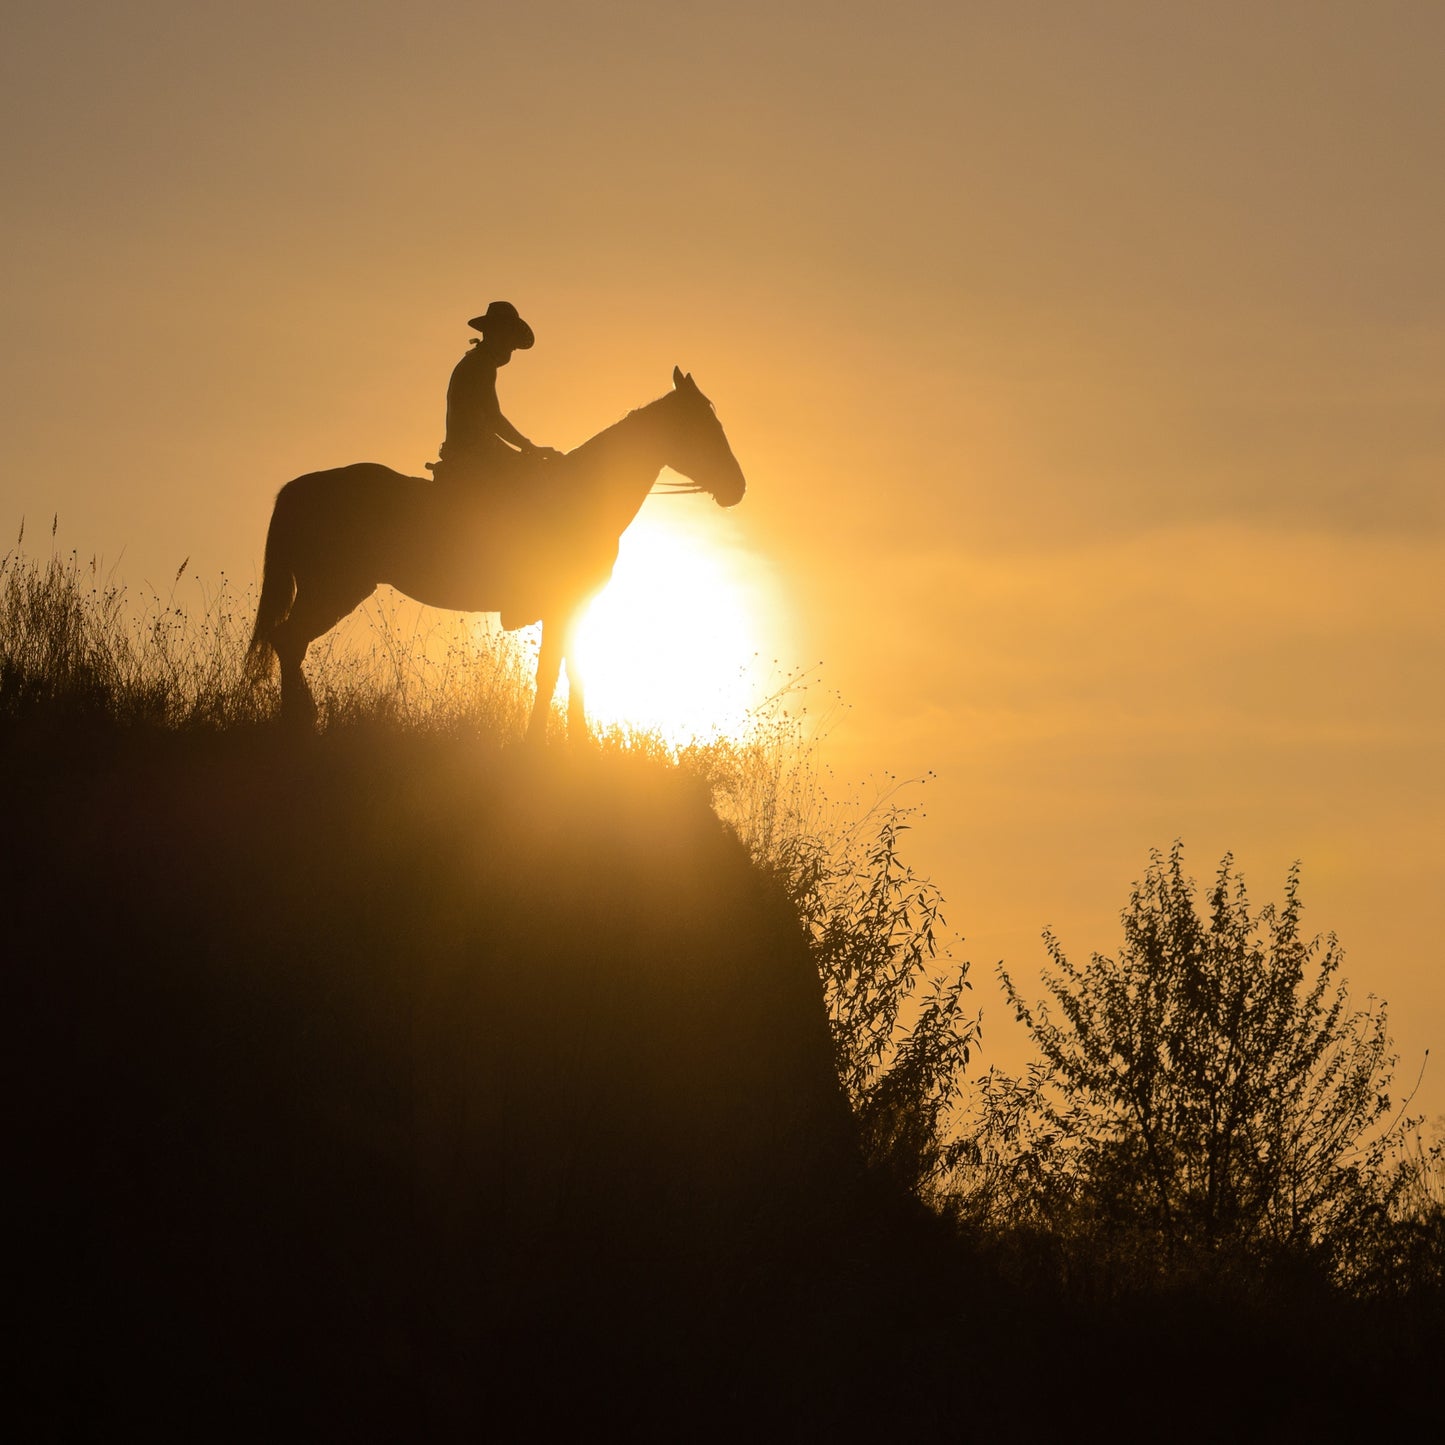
71 647
75 644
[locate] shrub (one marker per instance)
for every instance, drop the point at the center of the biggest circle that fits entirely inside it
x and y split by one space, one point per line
1208 1091
895 997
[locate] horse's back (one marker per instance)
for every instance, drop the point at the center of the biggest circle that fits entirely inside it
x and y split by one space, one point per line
365 494
356 480
472 549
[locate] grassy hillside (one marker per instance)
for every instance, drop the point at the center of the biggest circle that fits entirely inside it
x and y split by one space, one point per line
404 1082
370 1070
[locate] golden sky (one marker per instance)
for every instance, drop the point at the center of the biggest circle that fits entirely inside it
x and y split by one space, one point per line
1086 361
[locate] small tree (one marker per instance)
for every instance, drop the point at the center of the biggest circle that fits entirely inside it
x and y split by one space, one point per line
1209 1084
901 1033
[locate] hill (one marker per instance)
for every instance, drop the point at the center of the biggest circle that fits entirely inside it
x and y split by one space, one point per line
405 1080
402 1082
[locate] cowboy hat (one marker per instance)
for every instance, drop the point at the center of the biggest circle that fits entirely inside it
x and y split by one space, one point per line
501 318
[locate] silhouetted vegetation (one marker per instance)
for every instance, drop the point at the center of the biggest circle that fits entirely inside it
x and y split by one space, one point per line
1206 1103
407 1081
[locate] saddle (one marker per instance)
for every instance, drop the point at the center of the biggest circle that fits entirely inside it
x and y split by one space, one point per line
498 471
480 476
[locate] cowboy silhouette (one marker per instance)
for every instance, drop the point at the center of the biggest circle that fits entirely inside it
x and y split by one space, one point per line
482 446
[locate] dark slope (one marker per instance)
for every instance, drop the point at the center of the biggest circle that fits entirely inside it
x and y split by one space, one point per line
394 1084
382 1087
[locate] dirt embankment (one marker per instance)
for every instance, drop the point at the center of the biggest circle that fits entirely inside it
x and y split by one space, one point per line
394 1083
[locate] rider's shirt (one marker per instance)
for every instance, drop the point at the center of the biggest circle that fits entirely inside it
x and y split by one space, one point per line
473 415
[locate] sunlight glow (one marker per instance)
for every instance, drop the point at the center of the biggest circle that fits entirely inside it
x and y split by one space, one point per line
670 645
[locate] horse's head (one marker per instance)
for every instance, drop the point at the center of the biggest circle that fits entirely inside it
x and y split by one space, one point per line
697 447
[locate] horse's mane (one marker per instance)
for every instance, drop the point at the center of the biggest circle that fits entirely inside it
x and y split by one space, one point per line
547 484
602 443
621 421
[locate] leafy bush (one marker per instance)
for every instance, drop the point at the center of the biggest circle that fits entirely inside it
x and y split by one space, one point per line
1206 1093
895 997
901 1034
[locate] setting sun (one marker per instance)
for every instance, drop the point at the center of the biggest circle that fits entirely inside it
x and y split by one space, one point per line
670 644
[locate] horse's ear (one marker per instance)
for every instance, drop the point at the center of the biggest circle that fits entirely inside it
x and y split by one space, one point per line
677 377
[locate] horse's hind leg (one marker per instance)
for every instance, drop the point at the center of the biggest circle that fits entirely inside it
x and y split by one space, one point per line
297 704
315 611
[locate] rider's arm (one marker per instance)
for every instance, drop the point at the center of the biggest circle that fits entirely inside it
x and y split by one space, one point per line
481 402
509 433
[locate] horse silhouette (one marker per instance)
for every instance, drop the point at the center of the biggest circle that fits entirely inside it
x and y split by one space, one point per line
534 552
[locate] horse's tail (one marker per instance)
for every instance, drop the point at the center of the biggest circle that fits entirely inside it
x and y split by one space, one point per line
278 589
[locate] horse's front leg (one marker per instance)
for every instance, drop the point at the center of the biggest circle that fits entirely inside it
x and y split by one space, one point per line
578 733
577 730
549 667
